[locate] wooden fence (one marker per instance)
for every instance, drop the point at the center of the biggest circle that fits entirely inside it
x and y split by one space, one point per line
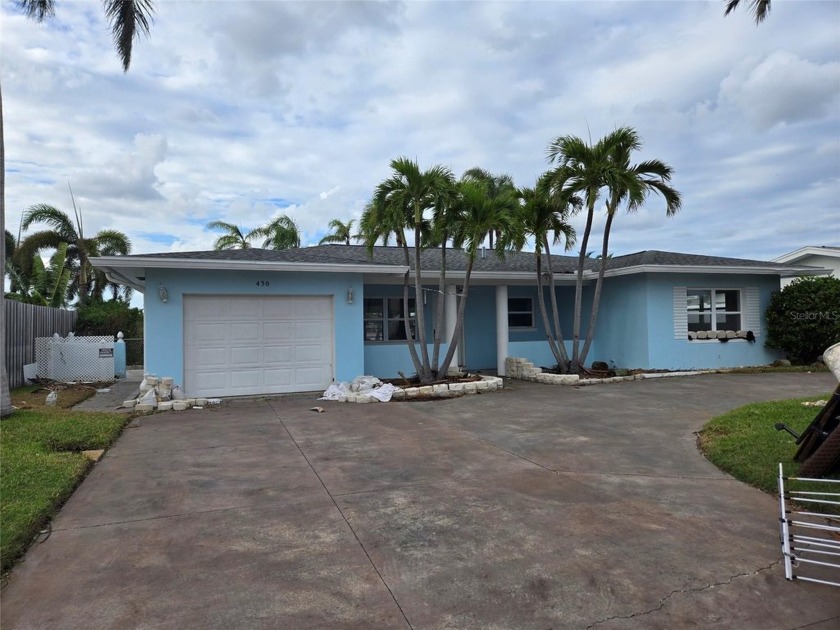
25 322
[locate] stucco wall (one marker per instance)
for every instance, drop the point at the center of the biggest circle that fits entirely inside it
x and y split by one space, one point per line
677 354
164 323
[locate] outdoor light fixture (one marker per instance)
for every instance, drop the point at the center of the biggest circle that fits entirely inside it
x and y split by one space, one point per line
163 294
349 295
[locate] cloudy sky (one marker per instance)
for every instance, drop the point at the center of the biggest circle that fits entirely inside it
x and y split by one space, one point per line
243 110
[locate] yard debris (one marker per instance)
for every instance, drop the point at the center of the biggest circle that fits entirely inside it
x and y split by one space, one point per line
367 386
162 394
318 409
51 398
816 403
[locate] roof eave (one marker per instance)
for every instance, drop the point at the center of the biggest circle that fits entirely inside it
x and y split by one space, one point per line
116 262
781 270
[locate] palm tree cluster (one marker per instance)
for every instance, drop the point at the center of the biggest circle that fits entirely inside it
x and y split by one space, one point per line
279 233
434 210
69 275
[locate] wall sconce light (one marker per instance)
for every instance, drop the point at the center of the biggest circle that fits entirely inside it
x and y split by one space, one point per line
163 294
349 295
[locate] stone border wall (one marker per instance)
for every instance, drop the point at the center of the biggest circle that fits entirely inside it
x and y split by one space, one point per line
441 390
524 370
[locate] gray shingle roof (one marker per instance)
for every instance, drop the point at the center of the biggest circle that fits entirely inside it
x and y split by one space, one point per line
456 260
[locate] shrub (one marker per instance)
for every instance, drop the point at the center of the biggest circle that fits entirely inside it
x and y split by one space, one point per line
803 319
109 318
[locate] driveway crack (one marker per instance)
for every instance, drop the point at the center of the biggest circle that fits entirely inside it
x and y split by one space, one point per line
678 591
343 516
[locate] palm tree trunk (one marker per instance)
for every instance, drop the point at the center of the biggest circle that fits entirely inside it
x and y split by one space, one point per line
5 398
439 307
552 344
558 332
409 340
459 321
596 298
574 367
426 374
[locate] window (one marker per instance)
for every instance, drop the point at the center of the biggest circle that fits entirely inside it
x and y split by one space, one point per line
385 319
520 313
713 309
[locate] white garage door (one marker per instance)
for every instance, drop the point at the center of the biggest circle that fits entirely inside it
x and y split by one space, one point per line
237 345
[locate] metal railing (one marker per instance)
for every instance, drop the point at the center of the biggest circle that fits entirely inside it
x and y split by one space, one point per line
810 537
134 353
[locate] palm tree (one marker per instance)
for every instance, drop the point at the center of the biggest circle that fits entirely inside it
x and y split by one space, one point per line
543 215
496 186
127 18
80 248
477 214
590 170
48 284
342 232
401 203
629 185
759 8
234 237
280 233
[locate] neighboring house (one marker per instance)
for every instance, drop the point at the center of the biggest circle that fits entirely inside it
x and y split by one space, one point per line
259 321
814 256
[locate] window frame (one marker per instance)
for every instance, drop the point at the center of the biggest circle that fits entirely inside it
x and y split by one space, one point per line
713 312
385 320
530 312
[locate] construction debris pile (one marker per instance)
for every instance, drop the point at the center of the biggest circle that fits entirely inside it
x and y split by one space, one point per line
162 394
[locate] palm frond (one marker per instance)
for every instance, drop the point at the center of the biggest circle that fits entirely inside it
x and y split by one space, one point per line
37 10
128 18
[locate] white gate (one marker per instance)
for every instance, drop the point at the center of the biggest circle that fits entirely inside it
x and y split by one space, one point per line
75 358
810 538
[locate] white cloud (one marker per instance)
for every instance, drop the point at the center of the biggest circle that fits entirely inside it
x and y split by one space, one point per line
241 110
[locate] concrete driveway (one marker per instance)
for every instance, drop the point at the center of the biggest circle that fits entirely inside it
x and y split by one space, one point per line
537 507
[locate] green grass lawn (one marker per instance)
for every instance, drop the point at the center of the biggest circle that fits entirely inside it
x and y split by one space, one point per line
744 443
41 465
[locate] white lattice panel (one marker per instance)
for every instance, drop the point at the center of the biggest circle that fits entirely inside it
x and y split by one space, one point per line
75 358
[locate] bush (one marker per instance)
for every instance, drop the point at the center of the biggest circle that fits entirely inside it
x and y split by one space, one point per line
109 318
803 319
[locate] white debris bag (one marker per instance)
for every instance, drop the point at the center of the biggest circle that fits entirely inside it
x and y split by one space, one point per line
336 391
149 398
178 393
362 384
52 397
383 393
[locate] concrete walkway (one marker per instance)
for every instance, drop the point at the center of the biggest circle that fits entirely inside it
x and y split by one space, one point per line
112 400
537 507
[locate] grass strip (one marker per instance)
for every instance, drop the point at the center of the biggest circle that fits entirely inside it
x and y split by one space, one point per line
40 466
745 444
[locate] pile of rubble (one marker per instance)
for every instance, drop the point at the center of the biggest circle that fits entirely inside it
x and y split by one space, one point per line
162 394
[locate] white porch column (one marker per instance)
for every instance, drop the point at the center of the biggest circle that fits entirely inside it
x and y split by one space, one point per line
450 315
501 328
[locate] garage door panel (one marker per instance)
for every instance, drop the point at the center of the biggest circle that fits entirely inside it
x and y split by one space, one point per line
211 357
278 331
244 379
310 330
207 333
245 308
238 345
278 381
308 378
246 356
245 331
210 381
312 309
206 309
273 355
308 353
278 309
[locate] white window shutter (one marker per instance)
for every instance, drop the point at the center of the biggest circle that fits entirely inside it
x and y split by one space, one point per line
752 311
680 314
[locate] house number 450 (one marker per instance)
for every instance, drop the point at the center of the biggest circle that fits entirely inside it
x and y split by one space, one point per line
263 283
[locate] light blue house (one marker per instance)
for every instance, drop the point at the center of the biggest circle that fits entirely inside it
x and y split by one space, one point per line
253 321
